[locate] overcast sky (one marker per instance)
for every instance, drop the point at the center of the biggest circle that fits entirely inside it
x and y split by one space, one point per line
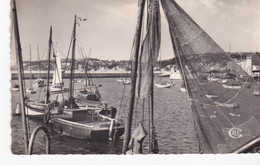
110 25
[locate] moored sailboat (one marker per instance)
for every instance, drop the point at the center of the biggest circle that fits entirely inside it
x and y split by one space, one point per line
88 122
42 109
123 81
90 93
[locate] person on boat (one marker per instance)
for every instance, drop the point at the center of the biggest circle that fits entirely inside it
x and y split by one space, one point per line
110 112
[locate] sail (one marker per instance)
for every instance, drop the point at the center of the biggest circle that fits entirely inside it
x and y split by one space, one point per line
225 113
57 76
149 50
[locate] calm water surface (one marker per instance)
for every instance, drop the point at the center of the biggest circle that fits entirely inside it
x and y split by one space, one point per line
172 118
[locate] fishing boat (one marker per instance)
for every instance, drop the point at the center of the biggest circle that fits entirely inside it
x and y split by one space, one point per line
90 91
123 81
39 110
235 127
256 91
88 122
42 110
232 85
39 83
174 75
212 96
163 85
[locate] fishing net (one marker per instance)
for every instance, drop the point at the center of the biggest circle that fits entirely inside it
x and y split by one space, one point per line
225 104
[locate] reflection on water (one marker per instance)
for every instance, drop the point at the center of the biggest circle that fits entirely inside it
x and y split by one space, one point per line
172 117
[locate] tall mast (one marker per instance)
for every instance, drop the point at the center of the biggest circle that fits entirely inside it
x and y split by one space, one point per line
135 53
72 62
86 68
20 76
30 66
49 61
39 59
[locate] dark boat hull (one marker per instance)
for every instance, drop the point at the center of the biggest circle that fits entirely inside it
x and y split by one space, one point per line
86 131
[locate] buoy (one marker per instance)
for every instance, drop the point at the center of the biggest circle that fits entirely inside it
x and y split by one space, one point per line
17 110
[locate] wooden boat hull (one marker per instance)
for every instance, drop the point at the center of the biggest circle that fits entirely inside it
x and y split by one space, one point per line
256 93
231 86
163 85
37 110
90 131
15 89
83 103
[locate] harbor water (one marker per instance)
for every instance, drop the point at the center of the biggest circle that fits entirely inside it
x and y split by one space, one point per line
172 119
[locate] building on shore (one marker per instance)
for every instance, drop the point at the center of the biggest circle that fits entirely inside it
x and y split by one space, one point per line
251 64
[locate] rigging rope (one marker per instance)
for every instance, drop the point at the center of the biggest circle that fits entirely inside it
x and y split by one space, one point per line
143 111
66 61
135 118
149 124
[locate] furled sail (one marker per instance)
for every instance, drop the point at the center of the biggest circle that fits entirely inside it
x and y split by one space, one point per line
226 114
57 76
149 50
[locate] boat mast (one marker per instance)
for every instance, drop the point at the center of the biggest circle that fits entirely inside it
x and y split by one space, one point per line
135 53
72 62
20 76
39 60
30 68
86 68
49 61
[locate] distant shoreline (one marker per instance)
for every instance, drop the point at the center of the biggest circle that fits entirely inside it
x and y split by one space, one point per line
66 75
14 76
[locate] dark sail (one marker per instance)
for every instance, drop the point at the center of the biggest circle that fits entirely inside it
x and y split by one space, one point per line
149 50
225 110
